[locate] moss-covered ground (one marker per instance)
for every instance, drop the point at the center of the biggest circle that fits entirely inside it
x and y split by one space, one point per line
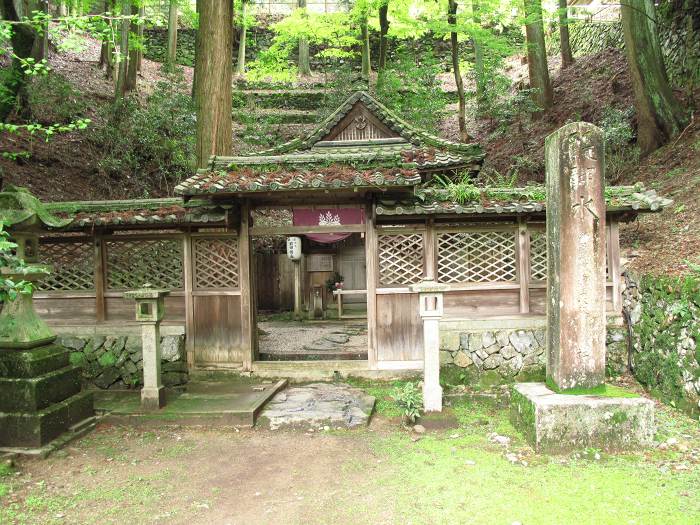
382 474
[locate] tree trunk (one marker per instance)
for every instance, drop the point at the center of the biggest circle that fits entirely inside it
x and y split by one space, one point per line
197 52
240 62
123 65
383 32
172 34
43 43
213 87
659 115
133 65
304 63
567 58
454 44
479 74
62 9
364 35
139 54
24 43
537 55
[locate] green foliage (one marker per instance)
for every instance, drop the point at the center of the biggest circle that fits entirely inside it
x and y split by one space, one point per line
330 282
619 134
155 139
9 288
53 100
410 86
409 398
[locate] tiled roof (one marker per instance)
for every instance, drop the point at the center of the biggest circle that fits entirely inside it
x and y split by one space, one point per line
333 177
137 212
516 201
301 161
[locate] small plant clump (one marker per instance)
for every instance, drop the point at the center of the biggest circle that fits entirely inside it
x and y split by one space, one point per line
409 398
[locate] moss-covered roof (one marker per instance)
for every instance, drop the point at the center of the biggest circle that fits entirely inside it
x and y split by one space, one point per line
19 207
530 199
312 162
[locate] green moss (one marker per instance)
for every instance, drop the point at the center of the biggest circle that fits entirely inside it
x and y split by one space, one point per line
77 358
603 390
107 359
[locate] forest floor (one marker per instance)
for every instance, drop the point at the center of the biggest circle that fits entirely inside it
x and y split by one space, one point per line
380 474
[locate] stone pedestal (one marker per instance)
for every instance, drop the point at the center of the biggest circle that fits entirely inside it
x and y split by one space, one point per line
150 308
576 245
40 391
431 311
559 423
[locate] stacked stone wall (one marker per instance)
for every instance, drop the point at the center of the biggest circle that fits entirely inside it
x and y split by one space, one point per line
665 317
116 362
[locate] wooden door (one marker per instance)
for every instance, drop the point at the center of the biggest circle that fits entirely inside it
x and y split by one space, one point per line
352 266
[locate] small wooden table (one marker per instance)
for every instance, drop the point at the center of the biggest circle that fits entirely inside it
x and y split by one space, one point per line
339 296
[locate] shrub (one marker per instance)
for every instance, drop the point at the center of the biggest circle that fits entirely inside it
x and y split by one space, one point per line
409 398
619 133
155 139
53 100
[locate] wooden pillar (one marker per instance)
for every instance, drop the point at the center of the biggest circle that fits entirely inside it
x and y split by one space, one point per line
189 299
247 314
297 290
614 264
430 267
100 278
371 265
524 266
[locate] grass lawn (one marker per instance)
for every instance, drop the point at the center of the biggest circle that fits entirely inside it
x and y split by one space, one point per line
382 474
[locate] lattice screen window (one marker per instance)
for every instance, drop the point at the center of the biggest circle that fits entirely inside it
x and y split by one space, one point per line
133 263
73 266
400 259
476 257
538 255
216 263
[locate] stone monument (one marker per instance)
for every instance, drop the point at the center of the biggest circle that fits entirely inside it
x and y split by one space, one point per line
150 308
40 392
552 419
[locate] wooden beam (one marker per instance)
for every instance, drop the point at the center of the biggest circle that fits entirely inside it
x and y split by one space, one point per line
189 299
430 239
524 266
247 314
614 262
100 278
371 265
298 230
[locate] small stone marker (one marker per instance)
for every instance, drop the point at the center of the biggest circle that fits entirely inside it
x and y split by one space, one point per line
431 310
576 244
150 307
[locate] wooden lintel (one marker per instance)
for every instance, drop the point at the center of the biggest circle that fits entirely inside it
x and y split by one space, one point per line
300 230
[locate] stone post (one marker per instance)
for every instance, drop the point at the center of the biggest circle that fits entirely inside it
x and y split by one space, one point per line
576 243
149 312
431 309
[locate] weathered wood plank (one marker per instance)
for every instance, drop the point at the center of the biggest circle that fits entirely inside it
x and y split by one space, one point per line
247 321
294 230
523 268
372 271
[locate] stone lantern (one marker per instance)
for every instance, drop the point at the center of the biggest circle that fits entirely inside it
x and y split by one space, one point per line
150 308
430 296
40 391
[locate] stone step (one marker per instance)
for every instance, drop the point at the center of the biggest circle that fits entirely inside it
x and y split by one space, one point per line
33 362
37 393
84 425
315 356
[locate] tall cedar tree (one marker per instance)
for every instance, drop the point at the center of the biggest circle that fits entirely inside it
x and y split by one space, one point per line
213 73
659 115
303 63
242 36
172 34
479 73
364 35
383 32
567 58
537 55
462 113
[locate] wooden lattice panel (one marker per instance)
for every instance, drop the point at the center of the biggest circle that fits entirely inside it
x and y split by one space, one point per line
476 257
73 266
133 263
538 255
400 259
216 263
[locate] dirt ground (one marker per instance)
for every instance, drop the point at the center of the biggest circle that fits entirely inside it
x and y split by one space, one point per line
380 474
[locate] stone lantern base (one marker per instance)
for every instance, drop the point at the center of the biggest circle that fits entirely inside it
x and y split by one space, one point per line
40 396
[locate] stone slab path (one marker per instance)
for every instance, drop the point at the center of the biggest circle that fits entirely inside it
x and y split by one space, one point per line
316 406
294 340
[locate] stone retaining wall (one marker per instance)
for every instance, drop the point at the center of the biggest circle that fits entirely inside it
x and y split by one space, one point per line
117 361
511 353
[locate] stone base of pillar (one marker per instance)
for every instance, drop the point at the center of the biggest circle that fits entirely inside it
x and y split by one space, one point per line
560 423
153 398
432 398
